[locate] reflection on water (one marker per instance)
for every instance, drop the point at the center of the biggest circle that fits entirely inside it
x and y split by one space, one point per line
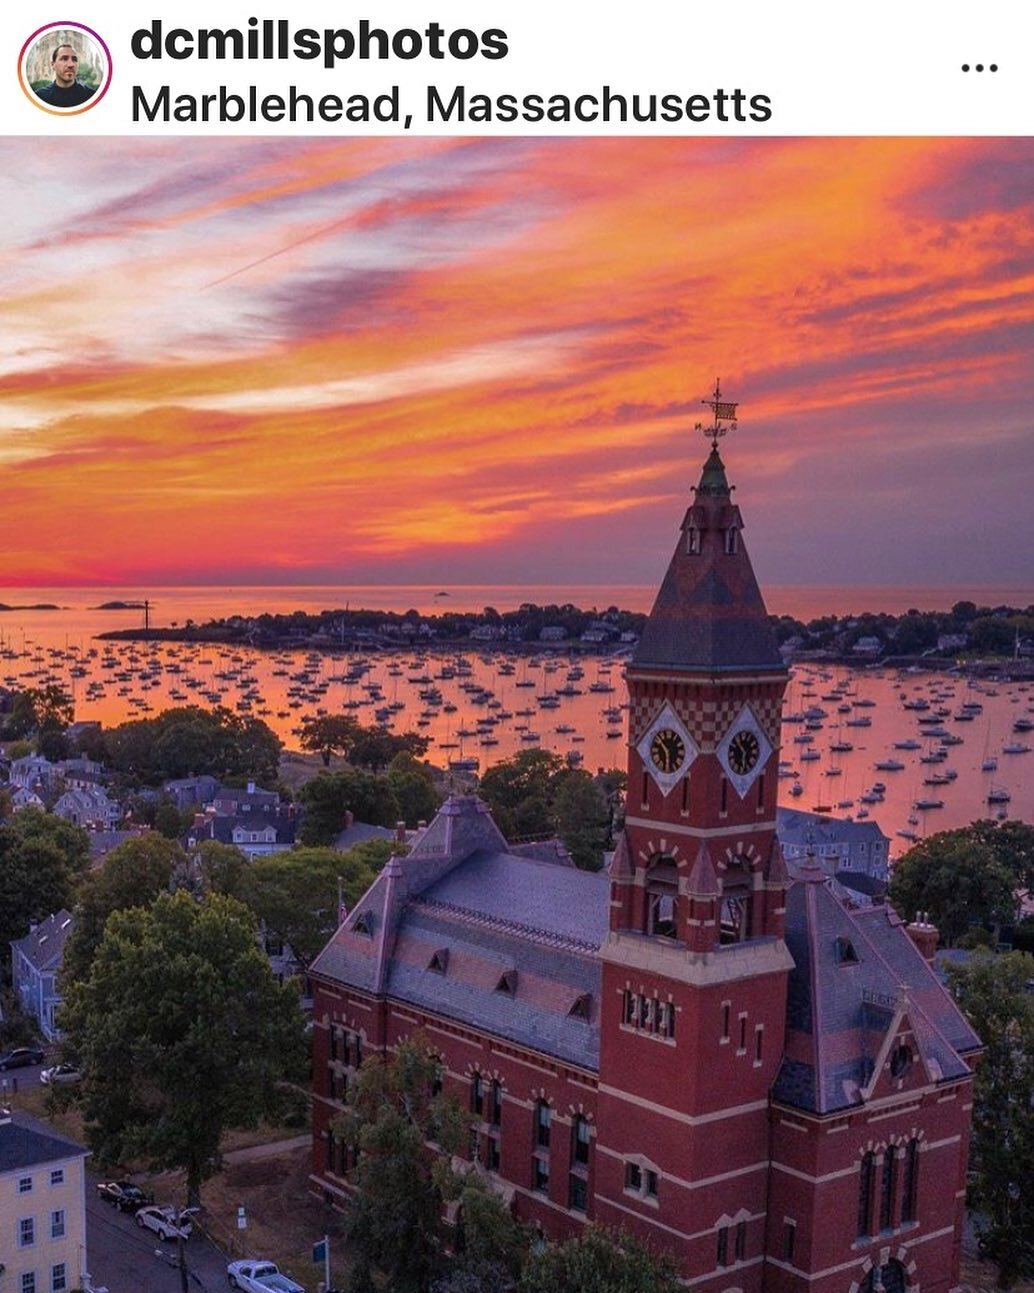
940 746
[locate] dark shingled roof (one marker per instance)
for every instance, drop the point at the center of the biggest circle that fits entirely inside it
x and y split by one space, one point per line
492 913
709 613
22 1147
857 977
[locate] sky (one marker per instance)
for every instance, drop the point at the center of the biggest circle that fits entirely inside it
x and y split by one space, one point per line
235 361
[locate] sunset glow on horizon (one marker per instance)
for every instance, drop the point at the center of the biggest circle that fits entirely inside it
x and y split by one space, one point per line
454 360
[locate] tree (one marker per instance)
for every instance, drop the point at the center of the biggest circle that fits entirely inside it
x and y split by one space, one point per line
994 993
375 747
538 793
328 734
395 1221
519 791
295 894
412 783
182 1033
41 859
599 1261
1012 843
327 798
37 708
958 879
583 817
221 868
191 741
133 875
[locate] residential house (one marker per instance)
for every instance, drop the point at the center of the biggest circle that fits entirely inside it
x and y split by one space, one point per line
42 1210
35 964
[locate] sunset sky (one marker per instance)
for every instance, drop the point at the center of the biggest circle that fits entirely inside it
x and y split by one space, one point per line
454 360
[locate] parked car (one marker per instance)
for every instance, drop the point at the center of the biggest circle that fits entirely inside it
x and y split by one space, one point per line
257 1276
21 1057
60 1074
126 1196
166 1222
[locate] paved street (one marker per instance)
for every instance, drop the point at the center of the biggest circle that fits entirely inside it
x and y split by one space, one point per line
124 1257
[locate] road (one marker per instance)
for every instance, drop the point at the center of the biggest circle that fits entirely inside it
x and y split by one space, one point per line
124 1257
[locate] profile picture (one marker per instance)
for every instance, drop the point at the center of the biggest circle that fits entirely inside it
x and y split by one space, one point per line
65 68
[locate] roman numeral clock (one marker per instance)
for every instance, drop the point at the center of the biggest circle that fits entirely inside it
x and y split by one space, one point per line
743 751
667 749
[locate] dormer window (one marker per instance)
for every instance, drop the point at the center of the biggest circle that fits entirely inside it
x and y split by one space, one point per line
363 924
580 1007
508 983
731 541
693 541
844 952
440 961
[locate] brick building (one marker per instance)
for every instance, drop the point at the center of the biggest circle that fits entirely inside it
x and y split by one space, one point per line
732 1065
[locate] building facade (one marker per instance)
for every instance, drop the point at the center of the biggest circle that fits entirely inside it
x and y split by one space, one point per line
734 1066
35 966
42 1210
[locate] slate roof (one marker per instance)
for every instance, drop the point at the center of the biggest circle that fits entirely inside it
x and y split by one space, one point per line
440 928
709 613
359 833
22 1147
857 977
44 946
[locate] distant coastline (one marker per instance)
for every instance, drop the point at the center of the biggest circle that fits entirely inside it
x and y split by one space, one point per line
936 638
38 606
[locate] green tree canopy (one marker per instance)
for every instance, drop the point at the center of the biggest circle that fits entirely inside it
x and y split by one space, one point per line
395 1220
375 747
132 875
41 860
599 1261
328 734
994 992
957 878
191 741
327 798
36 709
412 783
295 893
537 793
182 1032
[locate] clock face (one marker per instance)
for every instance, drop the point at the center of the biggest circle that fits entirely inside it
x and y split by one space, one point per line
744 752
667 750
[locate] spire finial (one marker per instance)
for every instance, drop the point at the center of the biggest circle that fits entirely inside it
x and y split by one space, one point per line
723 411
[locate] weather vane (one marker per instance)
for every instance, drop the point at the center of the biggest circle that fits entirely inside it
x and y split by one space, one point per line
723 410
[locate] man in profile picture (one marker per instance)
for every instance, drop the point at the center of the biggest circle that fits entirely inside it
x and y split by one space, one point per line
66 90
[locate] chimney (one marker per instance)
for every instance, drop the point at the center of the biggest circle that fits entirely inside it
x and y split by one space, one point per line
251 787
400 832
349 819
925 935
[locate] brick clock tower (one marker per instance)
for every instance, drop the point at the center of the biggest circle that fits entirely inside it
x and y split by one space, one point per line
695 968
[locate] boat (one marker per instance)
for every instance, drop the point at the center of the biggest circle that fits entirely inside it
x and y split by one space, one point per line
998 795
990 764
890 765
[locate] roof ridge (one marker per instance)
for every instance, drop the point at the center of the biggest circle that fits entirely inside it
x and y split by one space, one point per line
533 933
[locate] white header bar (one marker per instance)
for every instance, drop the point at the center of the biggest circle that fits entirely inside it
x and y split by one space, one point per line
504 68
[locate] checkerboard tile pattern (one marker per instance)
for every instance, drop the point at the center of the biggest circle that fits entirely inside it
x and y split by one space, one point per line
707 720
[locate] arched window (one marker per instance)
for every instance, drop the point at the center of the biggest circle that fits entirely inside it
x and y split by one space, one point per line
543 1118
737 891
731 541
890 1163
910 1193
866 1182
662 893
884 1279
